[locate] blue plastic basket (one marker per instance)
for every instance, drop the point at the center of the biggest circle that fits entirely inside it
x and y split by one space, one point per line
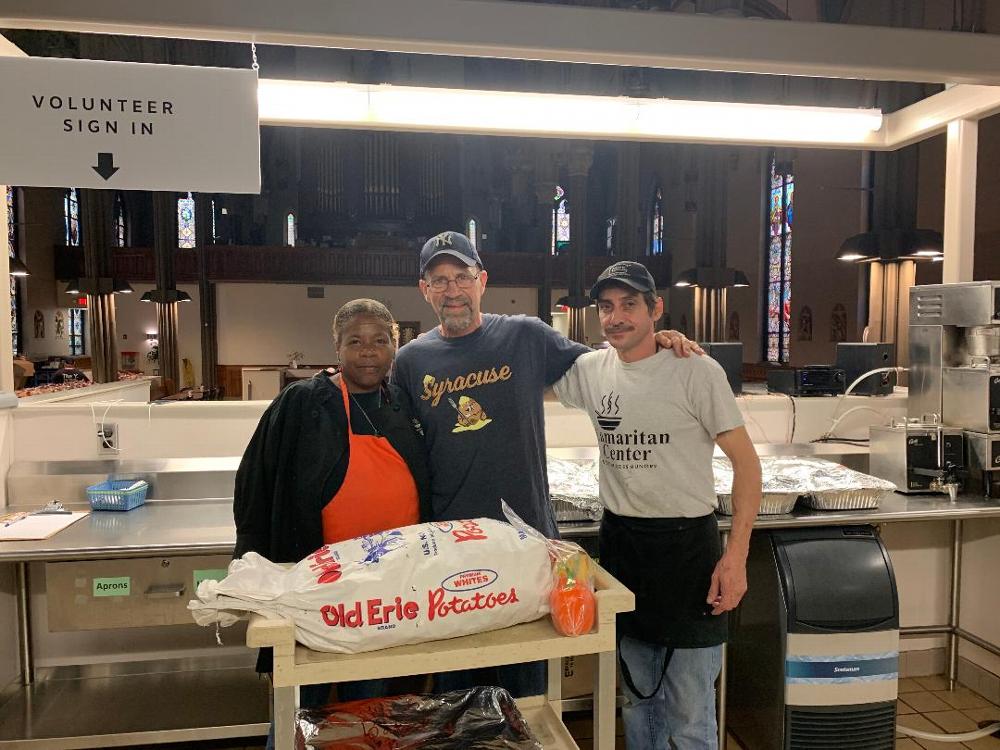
115 495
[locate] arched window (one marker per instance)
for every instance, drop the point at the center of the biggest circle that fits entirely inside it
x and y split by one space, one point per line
472 232
15 288
656 224
186 237
71 216
290 229
560 221
778 255
121 228
611 227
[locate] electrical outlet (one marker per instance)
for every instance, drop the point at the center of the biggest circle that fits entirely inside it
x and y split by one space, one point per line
107 439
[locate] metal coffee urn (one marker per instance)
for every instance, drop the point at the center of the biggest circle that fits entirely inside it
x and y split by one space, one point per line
955 369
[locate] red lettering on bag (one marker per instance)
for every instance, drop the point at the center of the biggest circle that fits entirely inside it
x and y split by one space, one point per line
468 531
440 607
327 568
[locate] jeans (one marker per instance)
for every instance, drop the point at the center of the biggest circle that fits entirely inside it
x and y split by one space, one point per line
317 696
683 709
520 680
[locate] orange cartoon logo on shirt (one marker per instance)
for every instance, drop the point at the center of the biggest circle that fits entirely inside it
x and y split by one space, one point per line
471 415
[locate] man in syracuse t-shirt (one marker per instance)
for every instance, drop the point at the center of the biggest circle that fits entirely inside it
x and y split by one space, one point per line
476 383
658 418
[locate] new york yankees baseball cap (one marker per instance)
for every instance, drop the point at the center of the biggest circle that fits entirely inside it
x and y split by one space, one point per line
454 244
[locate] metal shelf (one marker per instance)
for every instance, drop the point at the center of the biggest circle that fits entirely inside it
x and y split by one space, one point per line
135 709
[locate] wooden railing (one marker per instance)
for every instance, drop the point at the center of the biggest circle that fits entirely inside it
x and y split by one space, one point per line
326 266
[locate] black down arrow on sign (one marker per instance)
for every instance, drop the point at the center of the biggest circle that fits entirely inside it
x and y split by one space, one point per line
105 165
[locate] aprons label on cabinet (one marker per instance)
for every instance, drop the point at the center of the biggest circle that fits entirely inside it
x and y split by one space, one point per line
209 574
121 586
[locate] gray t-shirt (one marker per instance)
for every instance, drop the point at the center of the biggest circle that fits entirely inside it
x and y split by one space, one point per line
656 421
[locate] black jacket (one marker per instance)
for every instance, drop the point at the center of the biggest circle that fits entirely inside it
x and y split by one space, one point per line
297 460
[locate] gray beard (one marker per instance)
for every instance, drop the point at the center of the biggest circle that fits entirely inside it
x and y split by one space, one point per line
456 323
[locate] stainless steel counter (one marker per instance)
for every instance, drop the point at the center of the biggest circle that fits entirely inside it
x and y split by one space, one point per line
895 507
173 527
206 527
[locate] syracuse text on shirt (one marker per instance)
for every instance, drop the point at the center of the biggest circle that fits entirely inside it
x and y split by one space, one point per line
434 389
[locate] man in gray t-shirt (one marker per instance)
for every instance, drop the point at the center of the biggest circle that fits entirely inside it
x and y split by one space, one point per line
658 419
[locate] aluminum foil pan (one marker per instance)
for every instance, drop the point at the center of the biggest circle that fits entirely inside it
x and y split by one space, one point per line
771 503
823 485
844 499
574 489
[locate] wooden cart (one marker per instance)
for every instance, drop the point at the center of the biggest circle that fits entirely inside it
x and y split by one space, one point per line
296 665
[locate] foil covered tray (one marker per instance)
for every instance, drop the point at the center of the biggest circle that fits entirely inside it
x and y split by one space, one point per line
574 489
820 485
771 503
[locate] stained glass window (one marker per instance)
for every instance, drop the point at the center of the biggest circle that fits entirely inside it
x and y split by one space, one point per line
472 233
71 216
656 228
185 222
215 233
560 221
15 288
77 340
290 230
610 239
779 262
121 232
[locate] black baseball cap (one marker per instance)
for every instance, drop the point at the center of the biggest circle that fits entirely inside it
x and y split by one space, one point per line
625 272
454 244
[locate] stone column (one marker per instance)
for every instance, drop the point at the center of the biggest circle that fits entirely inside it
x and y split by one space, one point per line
541 227
579 160
628 239
206 292
164 247
96 213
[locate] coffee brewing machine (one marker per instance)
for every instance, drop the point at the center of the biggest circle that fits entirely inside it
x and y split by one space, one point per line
954 377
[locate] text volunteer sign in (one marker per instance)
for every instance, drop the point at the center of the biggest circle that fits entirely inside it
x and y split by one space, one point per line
132 126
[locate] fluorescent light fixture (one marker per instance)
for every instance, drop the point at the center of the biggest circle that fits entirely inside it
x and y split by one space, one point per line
928 253
73 287
850 256
351 105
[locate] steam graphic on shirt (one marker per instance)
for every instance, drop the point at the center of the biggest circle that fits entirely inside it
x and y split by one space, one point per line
609 416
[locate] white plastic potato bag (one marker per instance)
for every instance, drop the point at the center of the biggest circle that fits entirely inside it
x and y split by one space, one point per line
408 585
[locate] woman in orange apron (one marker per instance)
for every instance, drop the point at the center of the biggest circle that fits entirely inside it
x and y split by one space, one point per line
334 457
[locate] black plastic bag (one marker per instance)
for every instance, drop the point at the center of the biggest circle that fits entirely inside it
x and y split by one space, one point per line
484 718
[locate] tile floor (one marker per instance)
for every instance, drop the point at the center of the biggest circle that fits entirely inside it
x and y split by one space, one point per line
926 703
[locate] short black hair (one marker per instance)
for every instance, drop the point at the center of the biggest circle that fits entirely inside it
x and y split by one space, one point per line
369 307
649 298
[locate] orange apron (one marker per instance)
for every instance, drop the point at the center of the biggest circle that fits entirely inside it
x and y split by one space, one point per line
378 492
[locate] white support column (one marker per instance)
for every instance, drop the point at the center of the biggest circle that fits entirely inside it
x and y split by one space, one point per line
960 201
6 342
7 49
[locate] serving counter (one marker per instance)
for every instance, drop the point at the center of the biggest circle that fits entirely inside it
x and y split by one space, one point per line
37 716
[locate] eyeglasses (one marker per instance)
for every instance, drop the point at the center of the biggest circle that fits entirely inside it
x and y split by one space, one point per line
462 281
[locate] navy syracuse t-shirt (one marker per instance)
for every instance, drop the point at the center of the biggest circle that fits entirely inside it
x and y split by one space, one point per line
479 400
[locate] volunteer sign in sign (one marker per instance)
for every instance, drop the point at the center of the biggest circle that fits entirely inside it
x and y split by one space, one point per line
96 124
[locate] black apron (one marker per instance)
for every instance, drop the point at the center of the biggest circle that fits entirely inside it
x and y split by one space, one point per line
668 564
